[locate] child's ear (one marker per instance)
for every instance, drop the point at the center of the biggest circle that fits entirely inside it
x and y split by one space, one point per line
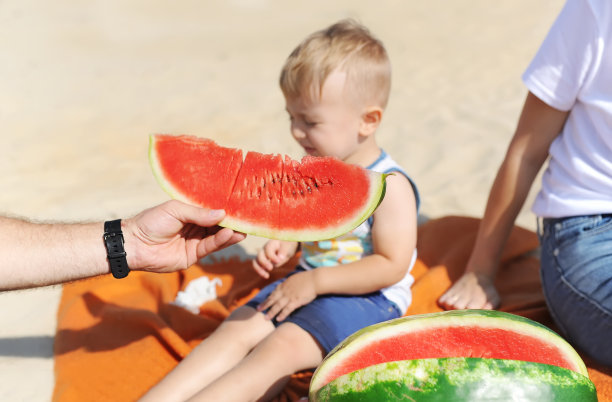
370 120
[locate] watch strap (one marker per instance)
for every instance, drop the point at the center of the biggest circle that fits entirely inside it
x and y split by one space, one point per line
113 240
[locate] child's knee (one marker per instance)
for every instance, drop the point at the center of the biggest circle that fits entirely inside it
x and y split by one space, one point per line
245 325
292 340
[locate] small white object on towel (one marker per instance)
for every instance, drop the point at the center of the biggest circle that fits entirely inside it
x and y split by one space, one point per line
196 293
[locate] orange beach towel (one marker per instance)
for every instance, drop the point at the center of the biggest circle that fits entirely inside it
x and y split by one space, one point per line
116 339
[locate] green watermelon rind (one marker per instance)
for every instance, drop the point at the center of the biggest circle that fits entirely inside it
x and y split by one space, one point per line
430 321
459 379
375 197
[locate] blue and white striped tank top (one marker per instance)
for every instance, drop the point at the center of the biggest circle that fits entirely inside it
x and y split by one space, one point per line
356 244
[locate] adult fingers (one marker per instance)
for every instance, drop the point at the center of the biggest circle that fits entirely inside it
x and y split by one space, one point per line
190 214
214 242
449 298
478 301
459 302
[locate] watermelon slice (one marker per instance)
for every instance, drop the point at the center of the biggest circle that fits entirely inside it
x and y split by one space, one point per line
267 195
475 343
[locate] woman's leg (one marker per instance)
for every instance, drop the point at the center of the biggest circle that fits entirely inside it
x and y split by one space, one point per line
217 354
577 281
264 372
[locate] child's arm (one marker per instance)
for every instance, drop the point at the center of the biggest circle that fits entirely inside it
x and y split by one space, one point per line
273 254
394 240
538 126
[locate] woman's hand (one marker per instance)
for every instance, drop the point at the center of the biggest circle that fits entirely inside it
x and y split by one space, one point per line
473 291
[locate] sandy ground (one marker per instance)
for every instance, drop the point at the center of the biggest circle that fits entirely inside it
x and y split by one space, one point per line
83 84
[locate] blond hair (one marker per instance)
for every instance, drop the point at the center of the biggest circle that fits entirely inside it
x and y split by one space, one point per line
346 46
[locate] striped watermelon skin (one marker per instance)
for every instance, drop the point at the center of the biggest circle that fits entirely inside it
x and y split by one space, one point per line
487 335
459 379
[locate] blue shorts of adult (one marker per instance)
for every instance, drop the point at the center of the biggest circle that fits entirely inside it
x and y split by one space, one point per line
331 318
577 280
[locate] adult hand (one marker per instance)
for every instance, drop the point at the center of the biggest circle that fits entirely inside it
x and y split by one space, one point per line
472 291
296 291
173 236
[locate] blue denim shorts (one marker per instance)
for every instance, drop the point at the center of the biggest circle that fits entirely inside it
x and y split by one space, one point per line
577 280
331 318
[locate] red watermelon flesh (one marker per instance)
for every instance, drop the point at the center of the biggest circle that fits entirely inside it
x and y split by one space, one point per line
256 196
493 343
316 176
267 195
193 182
461 333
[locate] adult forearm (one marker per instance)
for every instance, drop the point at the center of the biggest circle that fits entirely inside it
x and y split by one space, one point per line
164 238
538 126
35 254
507 196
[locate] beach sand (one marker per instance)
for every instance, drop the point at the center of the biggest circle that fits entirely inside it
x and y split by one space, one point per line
83 84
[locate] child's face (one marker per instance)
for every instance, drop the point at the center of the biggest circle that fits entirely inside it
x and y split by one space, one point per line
328 126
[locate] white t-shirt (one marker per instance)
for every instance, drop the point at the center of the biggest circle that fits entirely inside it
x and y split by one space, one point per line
572 70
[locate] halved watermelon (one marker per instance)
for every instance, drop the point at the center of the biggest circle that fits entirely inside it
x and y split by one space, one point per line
454 379
448 353
267 195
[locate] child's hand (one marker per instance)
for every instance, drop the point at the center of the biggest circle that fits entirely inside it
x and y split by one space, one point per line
296 291
472 290
274 254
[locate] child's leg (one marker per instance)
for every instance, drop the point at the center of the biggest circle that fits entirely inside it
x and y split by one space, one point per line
217 354
264 372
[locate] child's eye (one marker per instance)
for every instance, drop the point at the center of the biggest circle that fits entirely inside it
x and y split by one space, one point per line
310 123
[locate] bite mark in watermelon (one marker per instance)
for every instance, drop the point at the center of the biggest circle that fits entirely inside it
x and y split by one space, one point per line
267 195
486 336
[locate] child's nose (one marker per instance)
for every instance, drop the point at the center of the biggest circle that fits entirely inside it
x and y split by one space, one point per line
297 132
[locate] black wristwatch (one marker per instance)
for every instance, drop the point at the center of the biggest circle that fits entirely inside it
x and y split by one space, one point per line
113 239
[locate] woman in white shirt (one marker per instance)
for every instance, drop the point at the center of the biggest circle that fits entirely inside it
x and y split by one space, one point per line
568 116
